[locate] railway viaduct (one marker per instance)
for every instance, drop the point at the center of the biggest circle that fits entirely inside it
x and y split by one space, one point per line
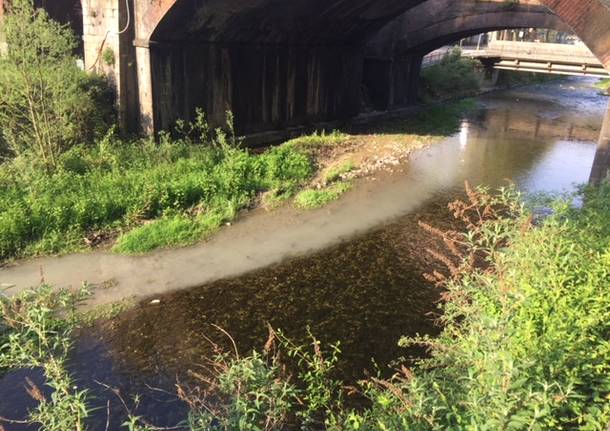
282 63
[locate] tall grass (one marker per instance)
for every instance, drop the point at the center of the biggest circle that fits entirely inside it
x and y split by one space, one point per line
188 184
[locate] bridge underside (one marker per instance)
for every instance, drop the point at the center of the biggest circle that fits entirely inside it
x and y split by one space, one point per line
278 64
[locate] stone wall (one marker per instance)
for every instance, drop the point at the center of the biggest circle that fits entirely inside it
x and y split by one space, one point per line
108 33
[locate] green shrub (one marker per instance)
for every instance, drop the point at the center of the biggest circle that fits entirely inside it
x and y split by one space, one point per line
47 104
454 76
257 392
35 332
526 337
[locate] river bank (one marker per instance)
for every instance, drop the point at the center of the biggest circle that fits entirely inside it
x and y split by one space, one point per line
385 188
350 271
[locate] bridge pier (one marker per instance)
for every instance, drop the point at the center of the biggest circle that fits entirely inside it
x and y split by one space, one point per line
392 83
266 86
108 34
601 164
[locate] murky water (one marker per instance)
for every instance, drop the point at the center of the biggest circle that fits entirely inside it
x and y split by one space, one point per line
365 291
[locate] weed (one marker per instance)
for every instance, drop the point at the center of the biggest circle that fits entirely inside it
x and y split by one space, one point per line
335 173
319 139
35 332
190 189
316 198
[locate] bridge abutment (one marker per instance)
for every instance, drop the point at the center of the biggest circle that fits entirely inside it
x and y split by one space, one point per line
391 83
266 87
108 35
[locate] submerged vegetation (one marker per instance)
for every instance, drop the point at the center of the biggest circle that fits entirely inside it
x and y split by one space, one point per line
524 344
525 337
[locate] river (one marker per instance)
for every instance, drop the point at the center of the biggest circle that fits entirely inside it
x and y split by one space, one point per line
354 271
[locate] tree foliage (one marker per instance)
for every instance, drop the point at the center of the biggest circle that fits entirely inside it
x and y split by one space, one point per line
47 104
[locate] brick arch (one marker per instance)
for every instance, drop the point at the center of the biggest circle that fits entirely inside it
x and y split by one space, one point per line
439 22
590 21
281 63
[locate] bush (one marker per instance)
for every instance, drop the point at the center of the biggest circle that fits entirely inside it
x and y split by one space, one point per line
526 337
35 332
47 104
454 76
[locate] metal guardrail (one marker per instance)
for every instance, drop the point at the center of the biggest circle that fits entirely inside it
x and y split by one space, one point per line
542 57
541 51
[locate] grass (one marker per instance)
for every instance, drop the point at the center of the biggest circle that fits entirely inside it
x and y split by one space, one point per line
318 140
335 173
316 198
172 193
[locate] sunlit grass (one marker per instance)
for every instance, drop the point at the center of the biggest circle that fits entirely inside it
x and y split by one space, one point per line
316 198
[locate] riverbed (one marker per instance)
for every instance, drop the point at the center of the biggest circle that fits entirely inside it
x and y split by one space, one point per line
350 272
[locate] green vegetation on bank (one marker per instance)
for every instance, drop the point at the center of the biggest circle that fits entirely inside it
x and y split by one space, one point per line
603 85
173 192
316 198
47 104
525 341
453 77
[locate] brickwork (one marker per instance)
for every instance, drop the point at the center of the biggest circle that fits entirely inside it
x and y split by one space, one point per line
590 20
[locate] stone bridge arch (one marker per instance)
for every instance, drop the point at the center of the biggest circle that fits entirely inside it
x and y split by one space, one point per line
393 57
279 63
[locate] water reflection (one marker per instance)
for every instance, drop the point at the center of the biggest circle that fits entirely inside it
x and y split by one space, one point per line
367 291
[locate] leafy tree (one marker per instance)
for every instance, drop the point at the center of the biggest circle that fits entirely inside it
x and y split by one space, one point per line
47 104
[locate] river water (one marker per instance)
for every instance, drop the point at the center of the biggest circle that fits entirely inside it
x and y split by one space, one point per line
364 291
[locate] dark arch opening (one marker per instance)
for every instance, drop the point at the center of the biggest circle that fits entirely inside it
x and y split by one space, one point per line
281 64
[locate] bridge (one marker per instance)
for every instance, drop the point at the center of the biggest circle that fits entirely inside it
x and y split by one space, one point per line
551 58
281 64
